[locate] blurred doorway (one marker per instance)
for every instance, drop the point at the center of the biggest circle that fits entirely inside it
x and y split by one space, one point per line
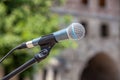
100 67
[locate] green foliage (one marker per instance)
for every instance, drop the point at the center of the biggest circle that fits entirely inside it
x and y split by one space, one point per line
23 20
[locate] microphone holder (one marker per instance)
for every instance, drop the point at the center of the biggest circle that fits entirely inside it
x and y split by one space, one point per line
45 50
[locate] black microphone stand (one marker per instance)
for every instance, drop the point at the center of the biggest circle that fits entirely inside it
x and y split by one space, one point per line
45 50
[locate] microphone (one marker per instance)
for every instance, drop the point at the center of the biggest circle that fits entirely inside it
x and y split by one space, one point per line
74 31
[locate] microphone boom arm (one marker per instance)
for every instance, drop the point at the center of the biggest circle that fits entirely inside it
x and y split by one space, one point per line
45 50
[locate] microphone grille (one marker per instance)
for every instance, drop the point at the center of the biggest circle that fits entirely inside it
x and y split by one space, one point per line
75 31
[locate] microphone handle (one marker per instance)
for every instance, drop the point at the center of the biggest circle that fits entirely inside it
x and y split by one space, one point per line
44 40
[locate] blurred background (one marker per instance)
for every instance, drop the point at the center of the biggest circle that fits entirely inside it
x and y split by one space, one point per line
95 57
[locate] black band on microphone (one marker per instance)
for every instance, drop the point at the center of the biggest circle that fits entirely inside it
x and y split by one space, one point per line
45 40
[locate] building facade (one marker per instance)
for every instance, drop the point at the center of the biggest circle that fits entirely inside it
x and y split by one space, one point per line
98 54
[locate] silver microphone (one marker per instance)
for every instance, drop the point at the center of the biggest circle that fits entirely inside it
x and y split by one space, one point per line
75 31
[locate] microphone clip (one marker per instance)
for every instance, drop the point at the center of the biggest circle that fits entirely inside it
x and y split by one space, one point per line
47 43
45 50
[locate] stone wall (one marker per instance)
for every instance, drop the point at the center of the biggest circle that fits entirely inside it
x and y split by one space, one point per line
94 16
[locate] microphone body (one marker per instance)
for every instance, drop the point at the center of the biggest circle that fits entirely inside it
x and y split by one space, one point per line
74 31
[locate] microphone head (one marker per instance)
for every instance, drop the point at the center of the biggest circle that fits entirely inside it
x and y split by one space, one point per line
75 31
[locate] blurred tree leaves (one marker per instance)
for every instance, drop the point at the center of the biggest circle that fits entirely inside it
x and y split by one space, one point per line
23 20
